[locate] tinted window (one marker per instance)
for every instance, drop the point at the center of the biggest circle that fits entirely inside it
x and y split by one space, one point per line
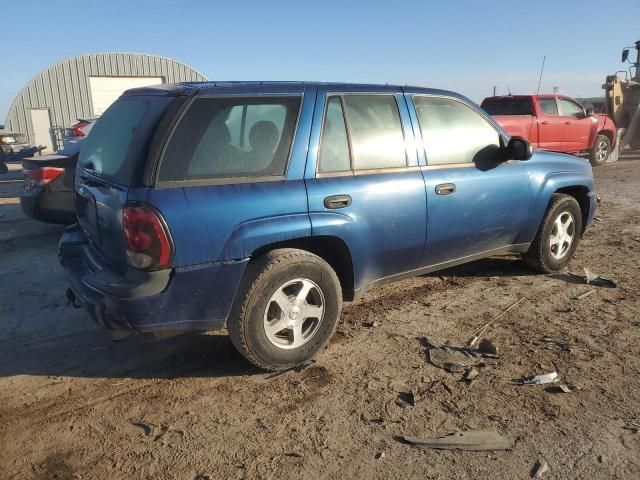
454 133
507 106
570 109
549 106
104 151
334 146
231 137
376 134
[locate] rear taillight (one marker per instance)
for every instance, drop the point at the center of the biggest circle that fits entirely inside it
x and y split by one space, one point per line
149 246
76 130
40 177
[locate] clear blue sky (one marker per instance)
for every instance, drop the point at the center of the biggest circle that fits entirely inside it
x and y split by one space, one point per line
460 45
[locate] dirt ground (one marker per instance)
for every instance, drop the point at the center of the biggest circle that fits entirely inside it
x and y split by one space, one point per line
74 404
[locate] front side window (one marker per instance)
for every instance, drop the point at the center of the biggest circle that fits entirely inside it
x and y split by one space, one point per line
549 106
570 109
454 133
375 131
231 137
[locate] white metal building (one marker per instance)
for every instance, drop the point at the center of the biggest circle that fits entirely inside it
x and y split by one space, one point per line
83 87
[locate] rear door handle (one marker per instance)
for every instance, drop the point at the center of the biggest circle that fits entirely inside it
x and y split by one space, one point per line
337 201
568 122
445 189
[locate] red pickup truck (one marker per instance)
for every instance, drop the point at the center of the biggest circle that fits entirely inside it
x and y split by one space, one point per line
554 122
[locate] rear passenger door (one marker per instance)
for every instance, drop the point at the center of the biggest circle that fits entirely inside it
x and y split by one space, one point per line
363 180
550 124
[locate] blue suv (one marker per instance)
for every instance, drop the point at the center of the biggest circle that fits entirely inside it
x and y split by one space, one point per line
260 206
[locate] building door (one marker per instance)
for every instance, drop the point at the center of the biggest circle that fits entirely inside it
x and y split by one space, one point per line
41 123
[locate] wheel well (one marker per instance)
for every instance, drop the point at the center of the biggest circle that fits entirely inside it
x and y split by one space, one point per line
581 194
607 134
332 250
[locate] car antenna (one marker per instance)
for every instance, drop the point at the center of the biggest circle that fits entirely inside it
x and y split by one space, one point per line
544 59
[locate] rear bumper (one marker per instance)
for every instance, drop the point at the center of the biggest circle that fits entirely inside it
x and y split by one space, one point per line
48 206
185 298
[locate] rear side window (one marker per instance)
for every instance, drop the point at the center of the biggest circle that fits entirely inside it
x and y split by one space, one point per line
104 151
507 106
454 133
231 137
549 106
334 146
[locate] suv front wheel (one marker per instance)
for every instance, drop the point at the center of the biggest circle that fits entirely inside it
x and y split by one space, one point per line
287 309
558 235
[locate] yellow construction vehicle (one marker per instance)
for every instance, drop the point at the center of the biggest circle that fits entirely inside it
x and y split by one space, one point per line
622 98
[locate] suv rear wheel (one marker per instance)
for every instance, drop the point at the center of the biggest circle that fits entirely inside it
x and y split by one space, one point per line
558 235
288 308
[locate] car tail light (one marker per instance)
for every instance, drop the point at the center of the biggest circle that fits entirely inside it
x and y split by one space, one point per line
148 242
42 176
76 130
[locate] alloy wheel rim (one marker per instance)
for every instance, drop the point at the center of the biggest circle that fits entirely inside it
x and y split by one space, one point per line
562 235
601 151
294 313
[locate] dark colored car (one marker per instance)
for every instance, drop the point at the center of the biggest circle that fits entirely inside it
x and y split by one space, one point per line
261 206
47 194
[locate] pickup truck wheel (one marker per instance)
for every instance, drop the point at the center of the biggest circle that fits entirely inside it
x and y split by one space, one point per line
600 151
558 235
287 309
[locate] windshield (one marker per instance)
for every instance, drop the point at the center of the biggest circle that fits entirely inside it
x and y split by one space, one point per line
118 141
507 106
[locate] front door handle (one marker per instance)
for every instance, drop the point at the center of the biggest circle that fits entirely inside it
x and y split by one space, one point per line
545 122
445 189
568 122
337 201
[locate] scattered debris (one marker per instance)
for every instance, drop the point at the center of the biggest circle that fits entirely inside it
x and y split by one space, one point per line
632 427
482 330
470 374
406 399
380 455
455 359
472 440
561 388
371 324
150 430
486 346
540 379
540 468
598 280
585 294
600 458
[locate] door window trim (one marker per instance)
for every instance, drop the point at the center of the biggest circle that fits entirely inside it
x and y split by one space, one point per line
201 182
352 172
486 117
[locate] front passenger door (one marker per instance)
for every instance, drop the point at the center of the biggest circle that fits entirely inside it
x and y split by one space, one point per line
476 202
577 126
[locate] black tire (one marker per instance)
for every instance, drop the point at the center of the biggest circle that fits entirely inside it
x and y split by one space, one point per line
265 276
600 151
541 256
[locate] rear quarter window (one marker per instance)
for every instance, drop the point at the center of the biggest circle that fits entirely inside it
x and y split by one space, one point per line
231 138
116 148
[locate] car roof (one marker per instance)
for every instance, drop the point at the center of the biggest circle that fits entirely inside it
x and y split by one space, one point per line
219 87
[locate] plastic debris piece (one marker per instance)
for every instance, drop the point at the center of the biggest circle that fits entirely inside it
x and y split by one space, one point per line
541 379
472 440
483 329
470 374
598 280
540 468
585 294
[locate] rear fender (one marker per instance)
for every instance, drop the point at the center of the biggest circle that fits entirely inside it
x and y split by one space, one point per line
549 185
250 236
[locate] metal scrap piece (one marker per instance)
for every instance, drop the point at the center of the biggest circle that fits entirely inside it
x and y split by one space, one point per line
472 440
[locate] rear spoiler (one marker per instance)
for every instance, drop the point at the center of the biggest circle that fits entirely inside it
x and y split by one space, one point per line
164 90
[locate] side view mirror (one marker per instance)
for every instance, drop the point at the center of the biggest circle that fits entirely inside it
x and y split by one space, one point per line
625 54
589 112
519 149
